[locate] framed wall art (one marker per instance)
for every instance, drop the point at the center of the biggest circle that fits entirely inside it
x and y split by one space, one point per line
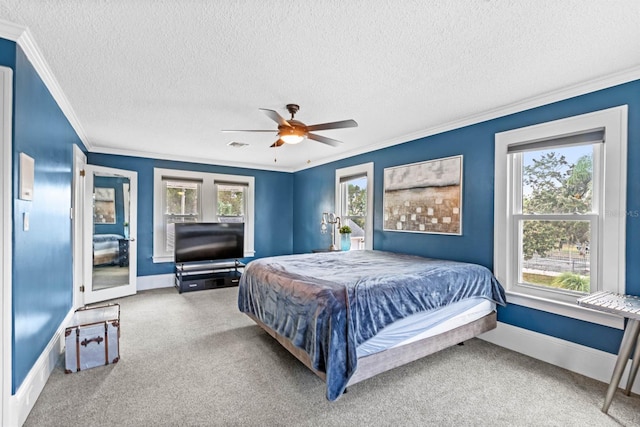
424 197
104 207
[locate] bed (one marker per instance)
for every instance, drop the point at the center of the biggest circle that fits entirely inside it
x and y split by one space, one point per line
351 315
106 249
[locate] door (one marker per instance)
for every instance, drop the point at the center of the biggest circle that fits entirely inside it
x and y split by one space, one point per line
110 214
77 205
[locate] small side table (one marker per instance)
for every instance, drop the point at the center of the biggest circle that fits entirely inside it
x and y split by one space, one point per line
625 306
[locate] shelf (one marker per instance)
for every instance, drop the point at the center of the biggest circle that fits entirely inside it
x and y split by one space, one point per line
205 266
207 275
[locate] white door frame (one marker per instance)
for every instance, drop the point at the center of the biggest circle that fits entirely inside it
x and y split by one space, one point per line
6 237
79 165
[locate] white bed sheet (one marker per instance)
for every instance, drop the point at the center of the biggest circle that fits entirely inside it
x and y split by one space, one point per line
426 324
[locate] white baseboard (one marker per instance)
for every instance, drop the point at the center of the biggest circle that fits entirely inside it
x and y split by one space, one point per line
21 403
577 358
155 282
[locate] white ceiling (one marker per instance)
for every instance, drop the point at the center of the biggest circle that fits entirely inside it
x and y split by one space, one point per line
163 78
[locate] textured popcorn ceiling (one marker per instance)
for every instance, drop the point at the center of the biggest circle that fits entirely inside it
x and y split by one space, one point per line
162 78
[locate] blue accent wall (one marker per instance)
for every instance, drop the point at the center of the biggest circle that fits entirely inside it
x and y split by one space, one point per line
314 193
273 206
42 257
8 54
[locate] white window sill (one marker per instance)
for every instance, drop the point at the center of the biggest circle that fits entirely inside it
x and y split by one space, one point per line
573 311
159 259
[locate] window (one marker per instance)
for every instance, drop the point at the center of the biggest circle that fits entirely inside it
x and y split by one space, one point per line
560 201
354 203
231 202
185 196
556 217
181 201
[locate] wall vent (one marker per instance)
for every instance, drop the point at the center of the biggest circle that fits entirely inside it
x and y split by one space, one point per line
236 144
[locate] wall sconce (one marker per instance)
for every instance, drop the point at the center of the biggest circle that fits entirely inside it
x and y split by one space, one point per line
332 219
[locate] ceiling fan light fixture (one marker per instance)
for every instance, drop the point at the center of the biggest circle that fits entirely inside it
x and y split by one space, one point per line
292 139
292 136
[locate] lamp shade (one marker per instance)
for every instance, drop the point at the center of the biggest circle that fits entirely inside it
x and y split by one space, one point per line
292 139
292 135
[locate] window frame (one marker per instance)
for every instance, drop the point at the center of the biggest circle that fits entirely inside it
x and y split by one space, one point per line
163 200
208 205
611 229
245 202
364 169
593 217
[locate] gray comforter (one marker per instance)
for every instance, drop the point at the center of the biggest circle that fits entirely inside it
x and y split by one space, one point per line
329 303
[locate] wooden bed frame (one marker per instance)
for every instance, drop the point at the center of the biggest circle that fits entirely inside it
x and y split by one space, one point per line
383 361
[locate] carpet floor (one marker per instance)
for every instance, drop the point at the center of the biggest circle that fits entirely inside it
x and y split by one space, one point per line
193 359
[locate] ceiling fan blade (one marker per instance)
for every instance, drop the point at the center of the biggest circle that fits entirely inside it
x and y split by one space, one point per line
249 130
273 115
278 143
333 125
329 141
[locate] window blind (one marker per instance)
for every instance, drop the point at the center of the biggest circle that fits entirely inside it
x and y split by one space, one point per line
589 137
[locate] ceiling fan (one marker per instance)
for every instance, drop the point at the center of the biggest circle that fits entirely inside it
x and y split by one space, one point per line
294 131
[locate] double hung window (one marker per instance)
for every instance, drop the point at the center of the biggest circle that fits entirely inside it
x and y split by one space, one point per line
231 200
560 200
181 201
556 214
187 196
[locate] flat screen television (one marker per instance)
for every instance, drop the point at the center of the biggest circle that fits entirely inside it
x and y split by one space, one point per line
208 241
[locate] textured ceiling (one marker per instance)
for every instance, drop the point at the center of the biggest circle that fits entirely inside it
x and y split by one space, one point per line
163 78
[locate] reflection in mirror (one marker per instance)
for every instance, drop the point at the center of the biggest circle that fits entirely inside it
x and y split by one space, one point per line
110 231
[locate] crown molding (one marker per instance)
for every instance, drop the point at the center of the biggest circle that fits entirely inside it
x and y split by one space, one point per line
578 89
23 38
11 31
189 159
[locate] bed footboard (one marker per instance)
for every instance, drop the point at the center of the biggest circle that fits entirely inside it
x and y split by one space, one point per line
383 361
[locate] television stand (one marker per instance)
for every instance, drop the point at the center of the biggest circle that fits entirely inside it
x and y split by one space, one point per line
207 275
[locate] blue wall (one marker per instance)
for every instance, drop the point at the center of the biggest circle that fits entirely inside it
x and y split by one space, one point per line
314 193
42 257
288 208
273 205
8 54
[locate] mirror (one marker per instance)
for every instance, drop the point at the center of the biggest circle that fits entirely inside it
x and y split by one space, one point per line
111 238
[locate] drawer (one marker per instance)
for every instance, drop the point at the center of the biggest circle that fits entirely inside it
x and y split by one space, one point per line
232 281
192 285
